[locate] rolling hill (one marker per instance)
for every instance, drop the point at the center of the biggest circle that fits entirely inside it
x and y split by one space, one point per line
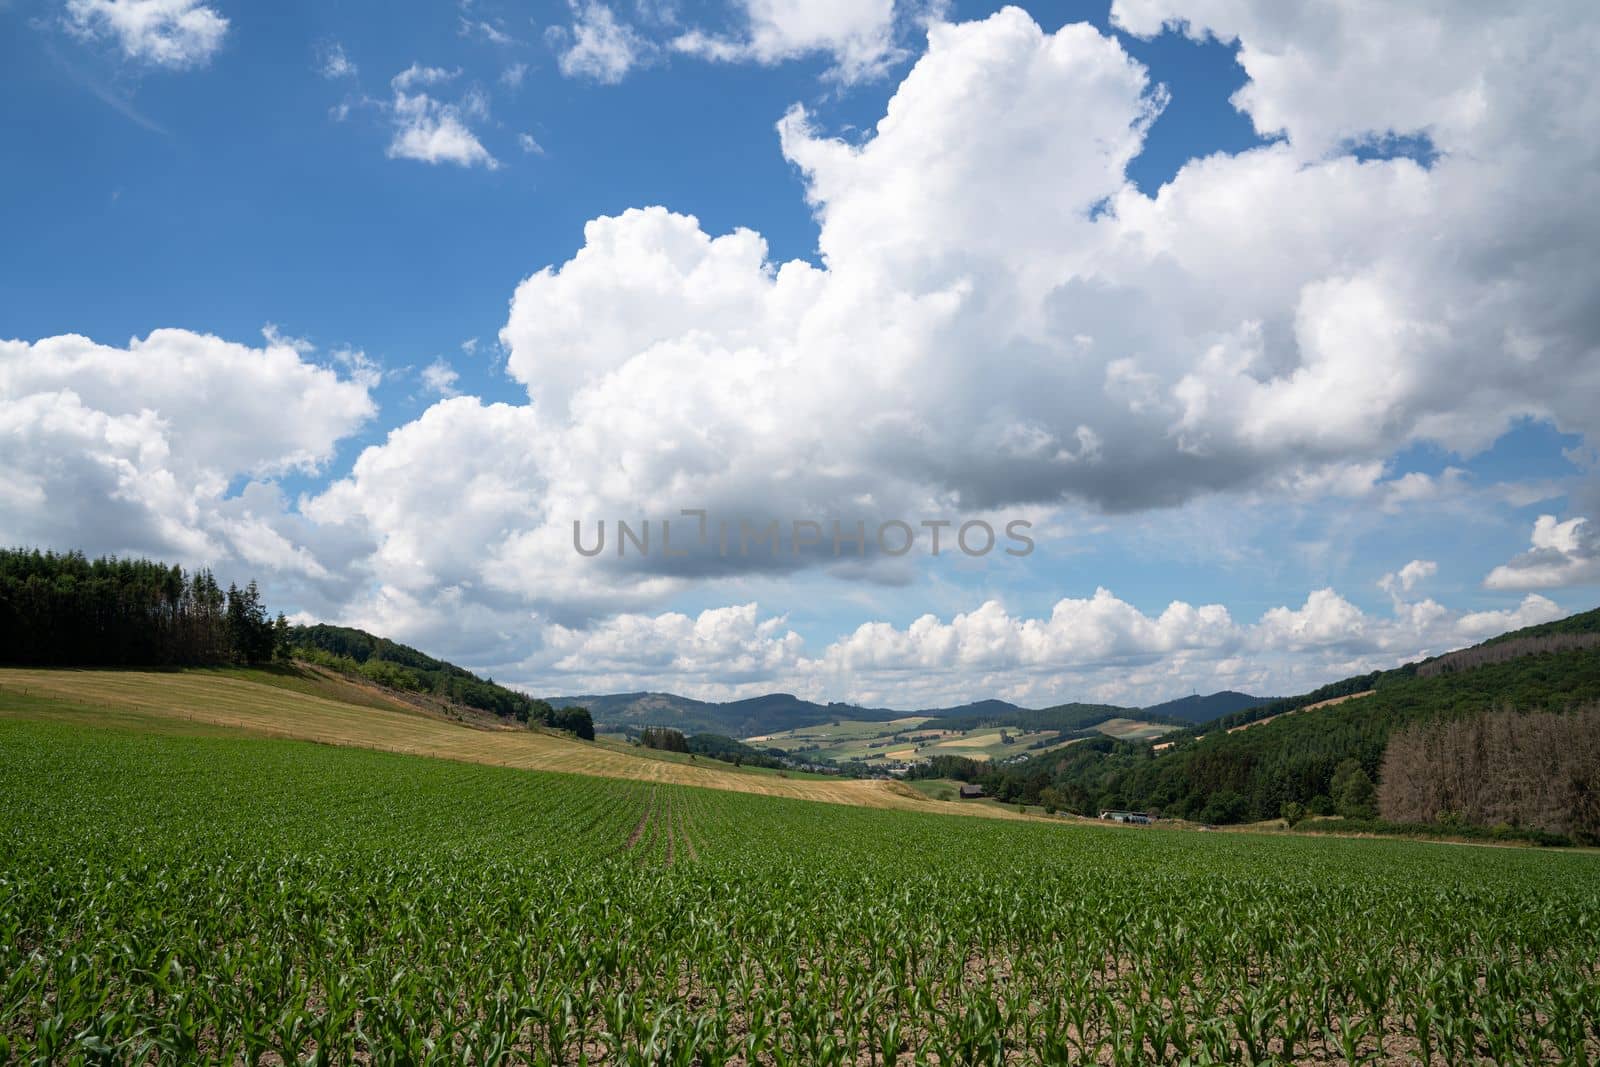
1199 709
770 713
398 666
775 713
313 704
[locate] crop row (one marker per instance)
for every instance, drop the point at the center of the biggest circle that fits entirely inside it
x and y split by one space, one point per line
169 898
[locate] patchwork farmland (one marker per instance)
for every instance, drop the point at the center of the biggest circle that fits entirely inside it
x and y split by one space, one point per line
909 739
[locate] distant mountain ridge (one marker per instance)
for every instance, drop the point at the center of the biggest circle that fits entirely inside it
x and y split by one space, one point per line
775 712
750 717
1200 709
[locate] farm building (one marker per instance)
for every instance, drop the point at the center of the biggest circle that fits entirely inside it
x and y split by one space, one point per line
971 792
1138 818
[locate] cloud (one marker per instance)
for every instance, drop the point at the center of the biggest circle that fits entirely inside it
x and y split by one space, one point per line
332 63
1562 554
362 368
134 449
513 75
276 338
491 462
1081 633
493 32
439 377
857 34
1094 648
1408 577
596 45
1001 321
1533 610
430 131
176 34
419 75
526 142
727 643
1323 78
998 319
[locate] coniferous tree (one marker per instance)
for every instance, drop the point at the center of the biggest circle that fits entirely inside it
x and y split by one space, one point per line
63 609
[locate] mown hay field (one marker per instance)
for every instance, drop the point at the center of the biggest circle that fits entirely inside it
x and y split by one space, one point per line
173 898
315 707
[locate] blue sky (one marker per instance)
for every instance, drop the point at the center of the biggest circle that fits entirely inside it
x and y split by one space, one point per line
1210 400
230 196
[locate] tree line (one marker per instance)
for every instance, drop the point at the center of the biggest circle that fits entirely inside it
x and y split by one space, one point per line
64 609
663 739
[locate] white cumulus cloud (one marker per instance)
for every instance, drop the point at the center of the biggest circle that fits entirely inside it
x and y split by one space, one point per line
1408 577
134 448
432 131
857 34
439 377
1001 320
997 319
596 45
1561 554
175 34
1094 648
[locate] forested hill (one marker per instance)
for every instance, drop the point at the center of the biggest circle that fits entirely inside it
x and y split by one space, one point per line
403 667
765 714
1244 768
775 712
1198 709
398 666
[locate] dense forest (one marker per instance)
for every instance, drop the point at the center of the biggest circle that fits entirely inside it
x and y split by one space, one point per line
1319 761
402 667
66 610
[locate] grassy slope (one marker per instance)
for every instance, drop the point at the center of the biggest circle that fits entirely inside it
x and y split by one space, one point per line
326 709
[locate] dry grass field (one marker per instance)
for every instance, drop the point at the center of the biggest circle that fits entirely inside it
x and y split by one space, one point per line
1133 729
315 706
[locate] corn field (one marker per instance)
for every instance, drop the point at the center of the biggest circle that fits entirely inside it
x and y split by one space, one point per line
179 899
